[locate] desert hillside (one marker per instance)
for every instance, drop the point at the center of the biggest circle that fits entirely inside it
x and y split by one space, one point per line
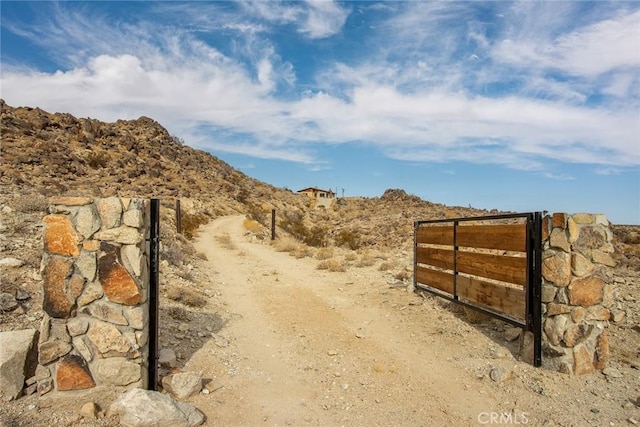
334 281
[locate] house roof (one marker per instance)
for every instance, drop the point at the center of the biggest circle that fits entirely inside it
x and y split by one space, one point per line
314 189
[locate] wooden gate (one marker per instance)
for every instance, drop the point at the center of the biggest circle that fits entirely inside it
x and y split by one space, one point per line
491 264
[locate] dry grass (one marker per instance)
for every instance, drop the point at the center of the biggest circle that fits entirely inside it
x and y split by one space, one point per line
403 275
332 264
351 256
366 260
186 296
252 226
191 222
225 241
302 251
386 266
324 253
286 244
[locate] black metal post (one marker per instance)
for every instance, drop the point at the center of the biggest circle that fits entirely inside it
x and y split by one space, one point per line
273 224
415 254
537 290
154 285
455 260
178 217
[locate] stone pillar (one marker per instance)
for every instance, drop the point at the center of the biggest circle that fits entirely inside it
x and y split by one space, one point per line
95 269
577 292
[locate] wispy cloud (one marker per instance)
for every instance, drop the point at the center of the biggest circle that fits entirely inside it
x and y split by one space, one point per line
439 81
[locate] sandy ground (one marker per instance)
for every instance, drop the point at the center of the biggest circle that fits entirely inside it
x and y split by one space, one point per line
310 347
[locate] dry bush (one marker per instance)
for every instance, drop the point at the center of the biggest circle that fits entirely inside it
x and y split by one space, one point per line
186 296
202 256
386 266
177 313
349 239
225 241
191 222
403 275
257 213
98 159
286 244
303 251
316 236
351 256
332 264
366 260
173 253
324 253
252 225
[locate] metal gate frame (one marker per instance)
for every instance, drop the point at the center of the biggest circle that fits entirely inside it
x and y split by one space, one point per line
533 291
154 286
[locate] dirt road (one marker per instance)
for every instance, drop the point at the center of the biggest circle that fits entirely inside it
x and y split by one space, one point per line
311 347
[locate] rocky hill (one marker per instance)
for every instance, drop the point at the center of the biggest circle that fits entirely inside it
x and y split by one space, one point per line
44 154
59 154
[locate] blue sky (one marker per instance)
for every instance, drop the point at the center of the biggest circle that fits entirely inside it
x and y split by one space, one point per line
517 106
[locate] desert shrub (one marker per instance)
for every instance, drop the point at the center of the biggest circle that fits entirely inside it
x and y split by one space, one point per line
403 275
318 237
351 256
177 313
252 225
385 266
186 296
286 244
348 238
324 253
191 222
98 159
256 213
293 223
173 253
302 251
332 264
225 241
366 260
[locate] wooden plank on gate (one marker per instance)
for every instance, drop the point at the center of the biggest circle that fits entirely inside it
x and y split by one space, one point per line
442 258
510 237
435 278
502 299
435 235
498 267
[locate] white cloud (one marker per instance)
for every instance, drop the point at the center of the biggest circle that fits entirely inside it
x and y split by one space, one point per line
324 19
590 51
417 108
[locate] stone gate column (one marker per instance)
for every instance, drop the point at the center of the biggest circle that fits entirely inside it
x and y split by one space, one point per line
577 292
95 268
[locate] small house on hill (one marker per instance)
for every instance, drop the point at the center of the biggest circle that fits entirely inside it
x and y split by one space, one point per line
323 197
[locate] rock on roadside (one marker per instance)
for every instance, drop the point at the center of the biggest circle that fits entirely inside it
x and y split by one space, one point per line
15 347
146 408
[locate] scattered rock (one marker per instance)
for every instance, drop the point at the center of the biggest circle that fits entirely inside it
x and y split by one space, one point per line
15 347
11 262
512 334
332 352
183 384
612 373
167 358
500 374
146 408
7 302
219 340
89 411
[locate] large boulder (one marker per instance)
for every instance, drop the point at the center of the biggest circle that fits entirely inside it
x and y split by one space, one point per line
146 408
15 348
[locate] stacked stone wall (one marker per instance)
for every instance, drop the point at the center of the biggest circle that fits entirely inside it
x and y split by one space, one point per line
577 292
95 269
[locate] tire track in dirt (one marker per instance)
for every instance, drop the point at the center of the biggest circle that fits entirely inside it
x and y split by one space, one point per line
319 348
